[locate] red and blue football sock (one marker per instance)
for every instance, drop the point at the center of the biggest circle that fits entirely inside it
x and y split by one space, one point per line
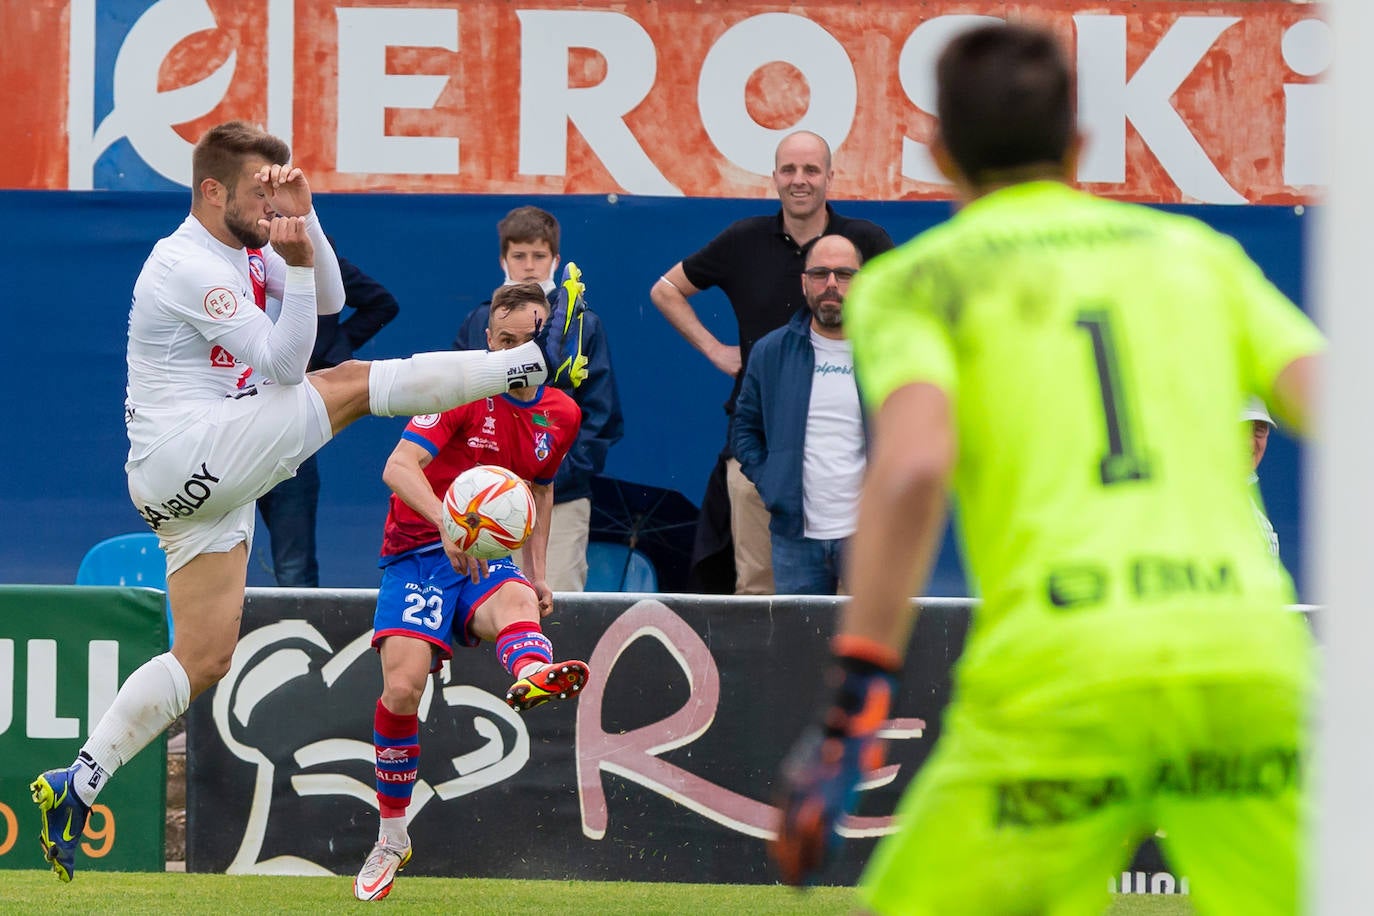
396 740
522 643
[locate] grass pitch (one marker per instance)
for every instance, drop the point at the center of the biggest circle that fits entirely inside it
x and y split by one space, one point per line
256 895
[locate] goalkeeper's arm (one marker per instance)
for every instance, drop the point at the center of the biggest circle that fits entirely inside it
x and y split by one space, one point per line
822 774
901 516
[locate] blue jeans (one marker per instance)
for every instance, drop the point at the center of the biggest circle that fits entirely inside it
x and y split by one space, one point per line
288 511
806 566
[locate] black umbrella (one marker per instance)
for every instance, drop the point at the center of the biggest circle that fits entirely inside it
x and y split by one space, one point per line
659 522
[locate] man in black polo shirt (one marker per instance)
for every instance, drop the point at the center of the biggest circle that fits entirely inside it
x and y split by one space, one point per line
756 262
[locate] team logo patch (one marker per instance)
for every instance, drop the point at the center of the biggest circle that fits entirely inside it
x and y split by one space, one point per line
221 358
221 303
393 753
257 269
541 445
426 420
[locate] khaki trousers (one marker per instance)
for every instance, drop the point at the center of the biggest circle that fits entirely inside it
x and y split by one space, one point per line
567 555
749 528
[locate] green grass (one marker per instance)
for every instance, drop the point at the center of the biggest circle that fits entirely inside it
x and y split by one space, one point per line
260 895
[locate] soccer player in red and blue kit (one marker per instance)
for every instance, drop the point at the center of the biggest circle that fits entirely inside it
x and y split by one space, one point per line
433 596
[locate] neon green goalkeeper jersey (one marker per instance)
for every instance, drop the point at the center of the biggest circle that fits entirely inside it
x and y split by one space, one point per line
1097 355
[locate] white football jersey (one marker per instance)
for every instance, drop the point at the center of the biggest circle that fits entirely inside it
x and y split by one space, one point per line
194 329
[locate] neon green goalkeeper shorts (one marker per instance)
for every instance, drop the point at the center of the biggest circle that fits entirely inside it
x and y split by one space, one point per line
1032 809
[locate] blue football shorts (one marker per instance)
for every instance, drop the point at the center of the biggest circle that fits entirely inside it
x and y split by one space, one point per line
422 596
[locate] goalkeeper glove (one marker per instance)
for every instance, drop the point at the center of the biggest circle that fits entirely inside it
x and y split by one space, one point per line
822 773
574 365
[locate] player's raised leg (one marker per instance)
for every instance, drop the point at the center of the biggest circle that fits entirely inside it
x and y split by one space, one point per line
538 684
509 617
426 382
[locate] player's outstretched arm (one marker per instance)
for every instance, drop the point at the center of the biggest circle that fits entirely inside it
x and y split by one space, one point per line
821 776
404 473
537 547
1295 392
901 515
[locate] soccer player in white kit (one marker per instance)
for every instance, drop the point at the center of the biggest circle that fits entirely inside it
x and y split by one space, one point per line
208 435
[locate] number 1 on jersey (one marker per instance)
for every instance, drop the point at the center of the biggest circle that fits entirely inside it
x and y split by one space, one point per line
1123 460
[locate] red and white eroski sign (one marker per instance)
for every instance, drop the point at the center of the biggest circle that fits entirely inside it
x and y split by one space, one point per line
1182 101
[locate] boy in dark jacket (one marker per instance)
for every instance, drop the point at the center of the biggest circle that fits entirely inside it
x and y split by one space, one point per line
529 240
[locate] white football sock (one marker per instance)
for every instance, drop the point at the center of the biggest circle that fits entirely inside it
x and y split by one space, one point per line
393 830
150 700
434 382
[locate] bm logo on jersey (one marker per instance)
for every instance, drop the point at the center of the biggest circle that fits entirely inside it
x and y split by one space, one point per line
541 446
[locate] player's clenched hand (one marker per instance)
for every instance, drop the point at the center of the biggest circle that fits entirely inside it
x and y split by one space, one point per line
288 238
287 190
822 773
544 594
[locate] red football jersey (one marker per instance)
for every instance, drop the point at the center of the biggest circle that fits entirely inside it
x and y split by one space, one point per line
528 437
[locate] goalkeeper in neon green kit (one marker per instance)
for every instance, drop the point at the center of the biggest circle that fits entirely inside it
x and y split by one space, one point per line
1073 367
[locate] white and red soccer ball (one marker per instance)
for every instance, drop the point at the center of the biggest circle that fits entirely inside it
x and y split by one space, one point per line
488 512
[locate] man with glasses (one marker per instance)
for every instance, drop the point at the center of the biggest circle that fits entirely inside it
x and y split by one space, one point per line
755 262
799 432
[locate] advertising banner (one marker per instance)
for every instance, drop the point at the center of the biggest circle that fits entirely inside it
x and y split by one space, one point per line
64 651
663 770
1182 101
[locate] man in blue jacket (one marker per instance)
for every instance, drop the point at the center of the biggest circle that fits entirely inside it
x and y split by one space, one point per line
529 238
799 431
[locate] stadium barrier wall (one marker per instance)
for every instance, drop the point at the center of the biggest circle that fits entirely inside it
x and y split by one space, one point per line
70 336
64 651
662 771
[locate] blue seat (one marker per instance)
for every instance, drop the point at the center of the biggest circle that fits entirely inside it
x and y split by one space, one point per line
619 568
127 559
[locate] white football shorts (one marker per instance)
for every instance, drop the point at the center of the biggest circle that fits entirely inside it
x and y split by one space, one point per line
197 489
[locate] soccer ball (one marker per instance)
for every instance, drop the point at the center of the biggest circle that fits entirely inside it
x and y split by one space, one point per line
488 512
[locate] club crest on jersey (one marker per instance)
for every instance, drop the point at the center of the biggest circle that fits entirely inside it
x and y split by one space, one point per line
541 445
257 268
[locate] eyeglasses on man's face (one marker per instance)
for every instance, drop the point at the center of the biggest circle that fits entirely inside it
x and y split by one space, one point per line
822 274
